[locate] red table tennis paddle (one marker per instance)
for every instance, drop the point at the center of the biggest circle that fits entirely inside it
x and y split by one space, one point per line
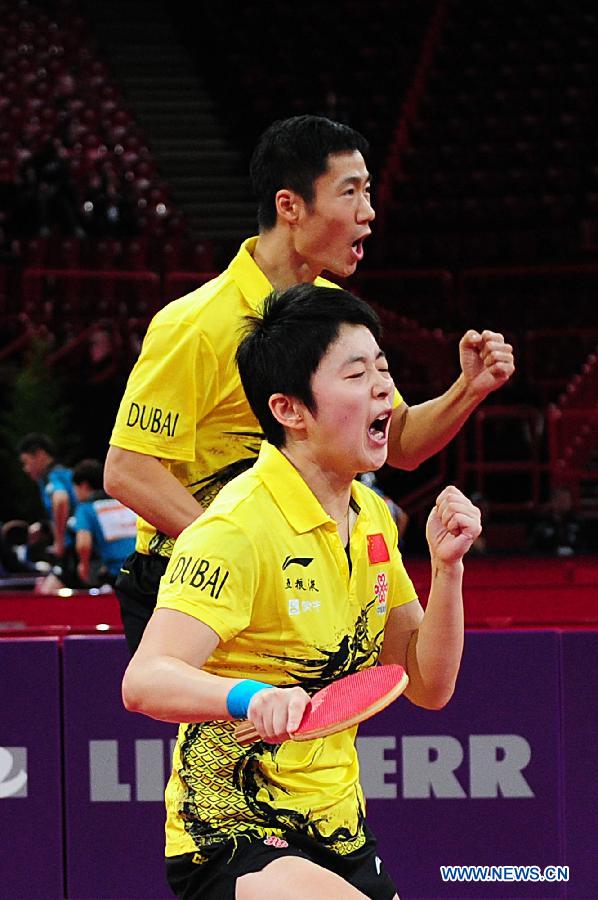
343 703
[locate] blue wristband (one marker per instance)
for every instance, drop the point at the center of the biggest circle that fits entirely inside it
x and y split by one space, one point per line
237 700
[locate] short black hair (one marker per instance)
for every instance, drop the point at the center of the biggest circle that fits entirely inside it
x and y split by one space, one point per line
292 153
34 441
91 471
284 344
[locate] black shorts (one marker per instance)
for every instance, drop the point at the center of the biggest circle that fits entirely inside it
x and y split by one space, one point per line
137 590
216 879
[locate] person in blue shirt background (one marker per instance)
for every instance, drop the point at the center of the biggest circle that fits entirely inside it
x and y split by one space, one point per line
55 483
105 530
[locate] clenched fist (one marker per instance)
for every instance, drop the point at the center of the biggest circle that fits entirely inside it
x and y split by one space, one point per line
453 525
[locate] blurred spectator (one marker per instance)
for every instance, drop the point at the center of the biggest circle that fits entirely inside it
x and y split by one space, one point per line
13 549
64 99
101 351
557 529
400 517
15 557
107 209
104 529
48 199
100 382
40 544
8 206
55 483
13 546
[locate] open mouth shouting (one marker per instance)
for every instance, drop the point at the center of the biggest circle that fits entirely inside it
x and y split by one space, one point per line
357 246
357 249
378 429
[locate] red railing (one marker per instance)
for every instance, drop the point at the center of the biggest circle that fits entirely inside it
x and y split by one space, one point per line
425 295
549 354
526 289
59 295
418 502
506 440
68 301
572 440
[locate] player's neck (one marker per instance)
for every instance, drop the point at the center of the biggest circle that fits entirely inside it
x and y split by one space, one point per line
275 255
332 489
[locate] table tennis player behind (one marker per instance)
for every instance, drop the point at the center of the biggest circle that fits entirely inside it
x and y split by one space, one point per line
291 580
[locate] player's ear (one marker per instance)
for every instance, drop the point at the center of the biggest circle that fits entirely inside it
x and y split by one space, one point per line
288 206
288 411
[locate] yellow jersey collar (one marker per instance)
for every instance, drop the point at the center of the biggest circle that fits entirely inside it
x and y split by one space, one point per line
248 276
297 502
250 279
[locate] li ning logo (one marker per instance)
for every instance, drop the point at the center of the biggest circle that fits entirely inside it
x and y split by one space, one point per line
298 561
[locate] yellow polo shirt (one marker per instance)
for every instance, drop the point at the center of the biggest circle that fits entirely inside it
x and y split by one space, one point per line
184 402
266 570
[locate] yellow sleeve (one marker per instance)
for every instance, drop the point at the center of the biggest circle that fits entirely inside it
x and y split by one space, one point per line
397 399
173 385
212 575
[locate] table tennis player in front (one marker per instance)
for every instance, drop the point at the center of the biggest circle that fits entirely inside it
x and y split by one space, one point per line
291 580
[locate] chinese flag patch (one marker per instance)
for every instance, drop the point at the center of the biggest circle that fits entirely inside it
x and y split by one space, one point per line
377 549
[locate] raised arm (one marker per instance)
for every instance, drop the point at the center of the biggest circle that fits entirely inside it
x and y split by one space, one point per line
418 432
430 644
144 485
